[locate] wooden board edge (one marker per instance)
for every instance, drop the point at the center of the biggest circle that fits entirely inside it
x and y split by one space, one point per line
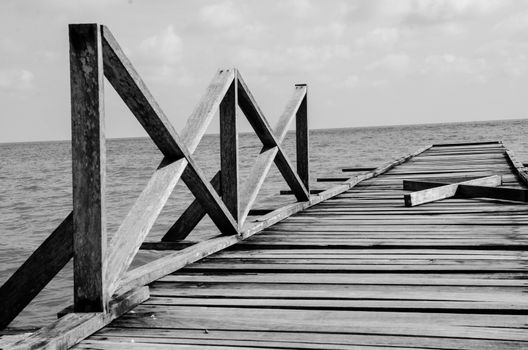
74 327
519 167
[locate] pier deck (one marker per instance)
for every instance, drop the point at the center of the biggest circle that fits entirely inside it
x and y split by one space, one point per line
359 270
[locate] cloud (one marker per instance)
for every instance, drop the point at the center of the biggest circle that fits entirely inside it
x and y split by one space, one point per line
395 63
380 38
515 26
16 79
224 14
477 68
430 12
165 47
298 8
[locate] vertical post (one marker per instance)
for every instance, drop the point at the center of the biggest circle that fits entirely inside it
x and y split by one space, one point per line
229 148
88 168
302 140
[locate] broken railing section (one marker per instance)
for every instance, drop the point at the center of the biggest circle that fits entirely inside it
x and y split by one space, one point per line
98 267
485 187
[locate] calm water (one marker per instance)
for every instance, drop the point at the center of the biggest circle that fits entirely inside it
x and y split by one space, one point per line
35 183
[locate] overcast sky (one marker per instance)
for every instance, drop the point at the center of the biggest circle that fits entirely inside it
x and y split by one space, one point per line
368 62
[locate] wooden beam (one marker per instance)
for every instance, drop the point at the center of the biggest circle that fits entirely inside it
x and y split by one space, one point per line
289 193
446 191
474 191
152 271
466 144
88 168
128 84
190 217
331 179
142 215
353 169
259 123
302 141
229 149
262 165
36 272
73 328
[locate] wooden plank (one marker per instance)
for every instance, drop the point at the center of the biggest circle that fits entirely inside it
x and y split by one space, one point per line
297 340
229 149
473 191
88 168
190 217
73 328
331 179
461 144
262 165
302 141
519 167
354 169
36 272
442 192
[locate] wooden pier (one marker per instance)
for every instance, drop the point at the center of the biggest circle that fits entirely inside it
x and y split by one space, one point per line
359 265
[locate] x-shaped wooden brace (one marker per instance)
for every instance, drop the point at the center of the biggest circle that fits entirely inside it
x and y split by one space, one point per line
177 151
485 187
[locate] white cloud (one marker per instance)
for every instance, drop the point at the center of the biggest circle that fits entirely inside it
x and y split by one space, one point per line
515 25
435 11
395 63
380 38
16 79
298 8
165 47
224 14
477 68
352 81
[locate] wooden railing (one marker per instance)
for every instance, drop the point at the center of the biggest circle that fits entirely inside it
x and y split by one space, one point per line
100 269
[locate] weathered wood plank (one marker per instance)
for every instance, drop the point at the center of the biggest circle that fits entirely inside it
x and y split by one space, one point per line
229 149
302 142
473 191
36 272
190 217
73 328
446 191
88 168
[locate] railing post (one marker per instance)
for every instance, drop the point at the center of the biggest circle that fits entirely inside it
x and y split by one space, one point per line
88 168
302 141
229 149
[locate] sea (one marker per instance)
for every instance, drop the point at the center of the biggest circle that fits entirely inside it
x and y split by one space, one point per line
35 184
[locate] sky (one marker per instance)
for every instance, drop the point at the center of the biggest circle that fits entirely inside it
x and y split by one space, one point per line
366 62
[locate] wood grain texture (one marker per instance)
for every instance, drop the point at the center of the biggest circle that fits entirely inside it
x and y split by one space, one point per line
88 168
445 191
153 270
72 328
302 142
190 217
36 272
229 149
